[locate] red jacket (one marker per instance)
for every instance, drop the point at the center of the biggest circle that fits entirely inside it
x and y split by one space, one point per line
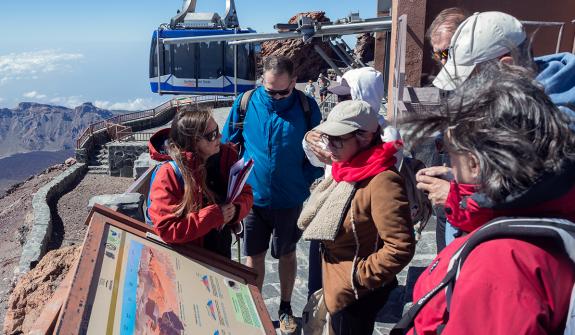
505 286
166 193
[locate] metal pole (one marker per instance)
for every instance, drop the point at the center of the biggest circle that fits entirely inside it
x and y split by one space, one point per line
235 71
158 61
386 62
345 53
559 38
339 54
336 29
322 54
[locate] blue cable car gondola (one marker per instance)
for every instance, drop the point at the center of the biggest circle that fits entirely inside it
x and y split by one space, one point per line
201 67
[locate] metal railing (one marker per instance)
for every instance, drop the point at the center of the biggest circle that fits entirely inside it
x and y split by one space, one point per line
137 137
327 105
151 113
539 24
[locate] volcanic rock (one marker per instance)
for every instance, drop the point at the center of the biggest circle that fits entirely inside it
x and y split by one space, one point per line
308 64
365 47
36 287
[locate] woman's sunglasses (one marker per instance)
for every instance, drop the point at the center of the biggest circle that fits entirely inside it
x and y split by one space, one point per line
212 135
336 141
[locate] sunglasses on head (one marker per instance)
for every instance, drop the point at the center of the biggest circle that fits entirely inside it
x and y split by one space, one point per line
212 135
441 54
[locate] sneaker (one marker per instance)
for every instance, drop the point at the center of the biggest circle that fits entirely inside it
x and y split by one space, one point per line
288 325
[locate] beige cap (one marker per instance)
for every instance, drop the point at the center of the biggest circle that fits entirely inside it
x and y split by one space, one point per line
349 116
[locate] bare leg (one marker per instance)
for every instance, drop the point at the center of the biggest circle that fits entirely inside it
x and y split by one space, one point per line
287 272
257 263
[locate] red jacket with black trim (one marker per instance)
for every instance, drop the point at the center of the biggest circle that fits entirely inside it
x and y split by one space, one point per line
166 193
506 286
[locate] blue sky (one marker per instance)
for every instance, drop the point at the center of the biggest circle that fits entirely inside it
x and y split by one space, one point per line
68 52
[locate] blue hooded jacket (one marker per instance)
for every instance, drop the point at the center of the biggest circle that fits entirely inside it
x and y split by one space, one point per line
557 75
273 131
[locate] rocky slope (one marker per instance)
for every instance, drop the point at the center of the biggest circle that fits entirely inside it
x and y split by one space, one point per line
365 47
308 64
19 167
37 127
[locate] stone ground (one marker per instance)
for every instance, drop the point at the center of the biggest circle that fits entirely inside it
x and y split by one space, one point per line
391 312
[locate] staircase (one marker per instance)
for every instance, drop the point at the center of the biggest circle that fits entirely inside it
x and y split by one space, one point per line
98 163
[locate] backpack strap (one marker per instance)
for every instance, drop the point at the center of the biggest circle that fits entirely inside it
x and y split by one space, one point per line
179 176
242 111
560 230
244 106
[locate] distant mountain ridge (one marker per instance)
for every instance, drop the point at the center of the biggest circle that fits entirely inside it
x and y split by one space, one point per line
39 127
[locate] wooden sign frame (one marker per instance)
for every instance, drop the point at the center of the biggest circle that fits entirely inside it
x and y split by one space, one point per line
75 313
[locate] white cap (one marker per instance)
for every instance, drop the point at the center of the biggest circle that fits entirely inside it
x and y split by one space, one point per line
480 38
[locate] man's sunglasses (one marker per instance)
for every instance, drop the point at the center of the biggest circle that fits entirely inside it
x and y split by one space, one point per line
212 135
441 54
271 93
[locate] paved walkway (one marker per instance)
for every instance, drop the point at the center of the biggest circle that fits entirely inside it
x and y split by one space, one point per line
392 311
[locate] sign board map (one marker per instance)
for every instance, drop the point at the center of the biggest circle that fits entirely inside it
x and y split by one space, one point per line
140 286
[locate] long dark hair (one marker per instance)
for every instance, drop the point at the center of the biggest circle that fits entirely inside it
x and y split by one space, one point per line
505 119
187 128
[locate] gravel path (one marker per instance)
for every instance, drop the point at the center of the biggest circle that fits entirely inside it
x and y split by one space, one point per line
15 221
73 207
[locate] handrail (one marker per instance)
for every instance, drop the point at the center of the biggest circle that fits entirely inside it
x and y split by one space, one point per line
159 110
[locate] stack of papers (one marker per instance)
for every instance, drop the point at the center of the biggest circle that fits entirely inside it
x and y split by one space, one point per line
239 173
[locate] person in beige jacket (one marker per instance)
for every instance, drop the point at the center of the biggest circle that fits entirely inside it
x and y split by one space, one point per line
361 216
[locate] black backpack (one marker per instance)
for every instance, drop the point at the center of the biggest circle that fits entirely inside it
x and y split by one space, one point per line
529 229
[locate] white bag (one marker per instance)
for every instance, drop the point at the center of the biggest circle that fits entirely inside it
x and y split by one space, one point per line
315 318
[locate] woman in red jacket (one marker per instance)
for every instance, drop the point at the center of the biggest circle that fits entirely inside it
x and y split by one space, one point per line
512 154
188 192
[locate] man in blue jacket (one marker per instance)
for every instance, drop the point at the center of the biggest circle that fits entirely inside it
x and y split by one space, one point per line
270 131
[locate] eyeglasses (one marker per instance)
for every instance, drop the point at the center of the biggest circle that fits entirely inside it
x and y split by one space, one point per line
271 93
441 54
212 135
336 141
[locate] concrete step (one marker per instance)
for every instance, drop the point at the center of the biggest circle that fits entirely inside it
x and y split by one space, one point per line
98 169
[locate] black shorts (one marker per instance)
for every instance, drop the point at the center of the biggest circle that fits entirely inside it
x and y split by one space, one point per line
279 224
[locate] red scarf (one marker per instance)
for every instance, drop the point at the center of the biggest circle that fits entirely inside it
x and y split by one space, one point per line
463 212
367 163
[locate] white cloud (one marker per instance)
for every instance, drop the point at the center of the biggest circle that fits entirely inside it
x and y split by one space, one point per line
70 102
130 105
34 95
29 65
